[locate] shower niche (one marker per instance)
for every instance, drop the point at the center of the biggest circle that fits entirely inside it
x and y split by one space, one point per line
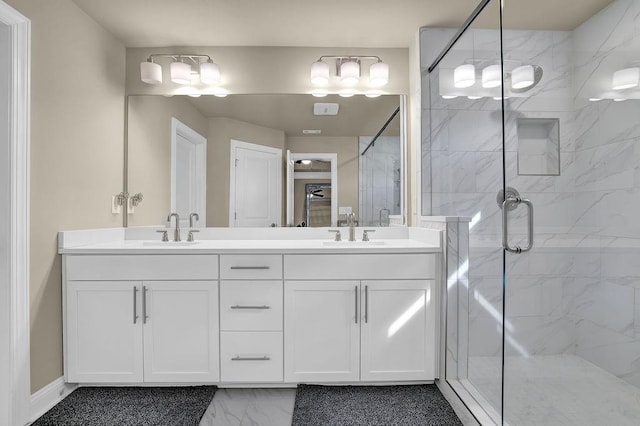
538 146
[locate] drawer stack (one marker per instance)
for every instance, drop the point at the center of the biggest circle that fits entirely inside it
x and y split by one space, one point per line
251 316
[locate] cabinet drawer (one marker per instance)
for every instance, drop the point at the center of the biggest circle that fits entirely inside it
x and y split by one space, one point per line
246 267
251 305
142 267
359 266
251 357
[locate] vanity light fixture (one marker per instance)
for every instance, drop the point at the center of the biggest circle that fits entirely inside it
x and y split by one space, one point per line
449 96
522 77
181 70
464 76
320 73
346 93
348 70
626 78
319 93
491 76
373 93
150 72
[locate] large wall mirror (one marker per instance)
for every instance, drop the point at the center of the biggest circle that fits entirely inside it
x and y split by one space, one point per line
266 160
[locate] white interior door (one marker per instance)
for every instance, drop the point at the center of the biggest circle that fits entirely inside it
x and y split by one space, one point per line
188 173
255 198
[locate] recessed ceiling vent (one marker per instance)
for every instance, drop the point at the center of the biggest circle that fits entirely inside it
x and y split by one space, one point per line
325 109
311 131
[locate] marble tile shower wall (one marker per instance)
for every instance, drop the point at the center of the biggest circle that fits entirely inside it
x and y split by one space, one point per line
578 291
379 179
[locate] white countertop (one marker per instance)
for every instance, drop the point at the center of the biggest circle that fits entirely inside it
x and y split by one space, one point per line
116 242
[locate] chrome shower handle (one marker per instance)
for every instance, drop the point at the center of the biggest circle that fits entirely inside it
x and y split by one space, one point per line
510 204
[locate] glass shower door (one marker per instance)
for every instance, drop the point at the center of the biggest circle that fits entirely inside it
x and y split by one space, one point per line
572 328
463 158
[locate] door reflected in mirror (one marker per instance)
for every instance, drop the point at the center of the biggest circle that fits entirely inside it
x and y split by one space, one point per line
215 177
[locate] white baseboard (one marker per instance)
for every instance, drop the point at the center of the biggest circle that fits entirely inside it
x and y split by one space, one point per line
43 400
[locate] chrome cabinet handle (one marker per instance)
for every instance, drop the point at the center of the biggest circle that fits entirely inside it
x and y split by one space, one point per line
145 317
250 267
510 204
366 304
355 289
250 307
135 304
250 358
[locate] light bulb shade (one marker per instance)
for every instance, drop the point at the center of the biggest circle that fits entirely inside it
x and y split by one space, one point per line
626 78
379 74
522 77
209 73
319 73
464 76
491 76
350 73
180 73
150 72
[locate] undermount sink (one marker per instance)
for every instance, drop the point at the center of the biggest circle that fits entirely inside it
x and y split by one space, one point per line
352 243
169 243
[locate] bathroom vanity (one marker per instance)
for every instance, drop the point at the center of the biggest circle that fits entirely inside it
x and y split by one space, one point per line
262 311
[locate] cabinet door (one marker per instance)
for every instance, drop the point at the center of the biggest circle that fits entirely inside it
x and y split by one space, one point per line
322 331
103 335
398 330
180 331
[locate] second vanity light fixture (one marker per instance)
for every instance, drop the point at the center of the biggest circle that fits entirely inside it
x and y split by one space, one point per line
181 71
348 69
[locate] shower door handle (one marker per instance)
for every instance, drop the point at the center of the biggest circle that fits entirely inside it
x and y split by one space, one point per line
510 204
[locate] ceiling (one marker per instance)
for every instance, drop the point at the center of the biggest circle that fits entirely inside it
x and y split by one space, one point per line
327 23
357 116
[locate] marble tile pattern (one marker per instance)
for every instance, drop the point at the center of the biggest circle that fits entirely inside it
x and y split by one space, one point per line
578 291
555 390
250 407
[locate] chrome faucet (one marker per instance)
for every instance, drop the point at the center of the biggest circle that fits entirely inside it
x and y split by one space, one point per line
351 222
176 233
191 216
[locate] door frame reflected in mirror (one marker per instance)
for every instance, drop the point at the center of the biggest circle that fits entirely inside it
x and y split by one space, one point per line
292 175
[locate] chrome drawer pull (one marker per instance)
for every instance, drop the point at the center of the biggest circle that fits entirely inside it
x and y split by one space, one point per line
250 358
251 267
250 307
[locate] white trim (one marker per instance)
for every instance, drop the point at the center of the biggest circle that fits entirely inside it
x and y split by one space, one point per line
234 145
18 380
179 128
333 159
312 175
404 149
43 400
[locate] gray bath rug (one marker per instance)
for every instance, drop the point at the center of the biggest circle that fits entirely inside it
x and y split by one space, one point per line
128 406
372 406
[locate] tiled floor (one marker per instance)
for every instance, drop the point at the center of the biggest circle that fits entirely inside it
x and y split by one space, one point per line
556 390
250 407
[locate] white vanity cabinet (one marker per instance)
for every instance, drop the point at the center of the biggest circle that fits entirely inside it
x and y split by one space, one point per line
133 325
381 327
103 331
251 318
322 331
